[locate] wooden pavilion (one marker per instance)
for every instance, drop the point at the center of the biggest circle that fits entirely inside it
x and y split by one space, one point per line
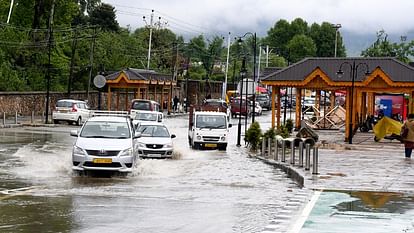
364 77
138 83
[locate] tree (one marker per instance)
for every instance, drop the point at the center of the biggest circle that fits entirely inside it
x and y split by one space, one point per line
104 16
300 47
384 48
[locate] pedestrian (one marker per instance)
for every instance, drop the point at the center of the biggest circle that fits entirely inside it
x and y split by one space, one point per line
175 103
408 135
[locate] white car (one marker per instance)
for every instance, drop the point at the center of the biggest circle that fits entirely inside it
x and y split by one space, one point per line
71 111
258 109
105 143
155 140
145 116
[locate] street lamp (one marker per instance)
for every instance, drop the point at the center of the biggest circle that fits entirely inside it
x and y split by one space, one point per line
254 68
354 69
242 76
337 27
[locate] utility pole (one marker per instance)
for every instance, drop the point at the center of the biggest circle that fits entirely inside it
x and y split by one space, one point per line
227 69
72 61
91 62
49 45
174 74
10 11
151 26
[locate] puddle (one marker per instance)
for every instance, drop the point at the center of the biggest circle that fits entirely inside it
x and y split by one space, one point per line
360 211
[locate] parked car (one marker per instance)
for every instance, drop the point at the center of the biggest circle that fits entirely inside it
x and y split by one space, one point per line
71 111
245 109
155 140
105 143
308 104
143 104
264 101
146 116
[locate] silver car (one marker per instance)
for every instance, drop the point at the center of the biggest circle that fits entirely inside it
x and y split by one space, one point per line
155 141
105 143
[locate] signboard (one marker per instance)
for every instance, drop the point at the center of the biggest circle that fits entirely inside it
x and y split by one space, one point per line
99 81
249 86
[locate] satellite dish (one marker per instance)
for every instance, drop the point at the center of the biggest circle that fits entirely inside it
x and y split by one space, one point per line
99 81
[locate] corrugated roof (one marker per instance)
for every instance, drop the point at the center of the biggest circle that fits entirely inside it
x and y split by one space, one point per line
140 74
396 70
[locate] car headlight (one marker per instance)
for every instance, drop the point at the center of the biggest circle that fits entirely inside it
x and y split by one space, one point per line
223 138
141 144
198 137
78 151
168 146
127 152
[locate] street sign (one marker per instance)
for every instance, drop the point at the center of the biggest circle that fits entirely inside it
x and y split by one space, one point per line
99 81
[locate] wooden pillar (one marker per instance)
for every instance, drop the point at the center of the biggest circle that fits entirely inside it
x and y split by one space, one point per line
318 102
109 98
117 100
162 98
278 107
137 91
363 106
371 103
155 93
332 99
126 99
273 105
410 102
298 109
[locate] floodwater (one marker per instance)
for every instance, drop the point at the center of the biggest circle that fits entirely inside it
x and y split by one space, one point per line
198 191
361 211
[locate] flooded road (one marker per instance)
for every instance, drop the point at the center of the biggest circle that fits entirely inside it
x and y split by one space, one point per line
199 191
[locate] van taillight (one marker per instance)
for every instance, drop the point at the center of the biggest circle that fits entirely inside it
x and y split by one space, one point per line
74 108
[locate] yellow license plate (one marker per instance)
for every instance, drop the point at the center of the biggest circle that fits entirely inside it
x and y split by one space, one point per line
210 145
102 160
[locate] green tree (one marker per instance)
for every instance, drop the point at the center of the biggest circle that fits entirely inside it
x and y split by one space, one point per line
104 16
300 47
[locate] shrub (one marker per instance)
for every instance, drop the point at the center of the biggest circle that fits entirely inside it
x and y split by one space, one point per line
253 136
282 131
289 125
270 133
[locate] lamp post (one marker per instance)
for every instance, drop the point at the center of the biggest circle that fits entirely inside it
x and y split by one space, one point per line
337 27
254 68
242 75
353 72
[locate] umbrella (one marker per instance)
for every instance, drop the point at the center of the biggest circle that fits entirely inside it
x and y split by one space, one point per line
261 89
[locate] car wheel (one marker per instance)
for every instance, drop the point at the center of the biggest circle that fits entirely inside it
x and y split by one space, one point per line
189 141
79 121
222 147
55 122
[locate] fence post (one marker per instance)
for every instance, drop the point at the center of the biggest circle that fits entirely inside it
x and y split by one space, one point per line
315 161
32 117
269 147
283 151
263 148
307 159
15 117
292 152
4 118
301 154
276 157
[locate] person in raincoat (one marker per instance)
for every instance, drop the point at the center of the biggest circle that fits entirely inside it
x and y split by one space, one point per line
409 139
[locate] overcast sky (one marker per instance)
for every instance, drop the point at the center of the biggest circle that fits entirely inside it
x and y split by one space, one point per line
218 17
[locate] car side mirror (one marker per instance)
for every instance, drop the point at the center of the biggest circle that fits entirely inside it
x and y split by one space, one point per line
173 136
74 133
137 135
230 125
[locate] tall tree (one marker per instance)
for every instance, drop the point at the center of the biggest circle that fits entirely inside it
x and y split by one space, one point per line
300 47
105 17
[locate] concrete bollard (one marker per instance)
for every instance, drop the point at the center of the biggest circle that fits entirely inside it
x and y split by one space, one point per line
269 147
276 156
307 156
15 118
283 151
292 152
300 154
4 118
32 117
315 161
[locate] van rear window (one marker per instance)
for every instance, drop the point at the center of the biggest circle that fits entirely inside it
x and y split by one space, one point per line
139 105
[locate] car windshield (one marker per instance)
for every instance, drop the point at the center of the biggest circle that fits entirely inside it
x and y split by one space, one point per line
146 116
97 129
153 131
211 122
141 105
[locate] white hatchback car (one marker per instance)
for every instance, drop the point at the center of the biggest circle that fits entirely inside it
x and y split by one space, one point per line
155 141
105 143
72 111
146 116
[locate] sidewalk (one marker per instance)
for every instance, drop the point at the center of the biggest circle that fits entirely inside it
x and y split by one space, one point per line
364 165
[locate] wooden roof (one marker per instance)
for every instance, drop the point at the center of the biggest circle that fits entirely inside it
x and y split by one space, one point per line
395 70
139 75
